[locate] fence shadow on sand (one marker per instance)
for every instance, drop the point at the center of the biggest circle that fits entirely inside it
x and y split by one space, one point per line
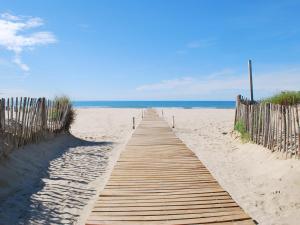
56 184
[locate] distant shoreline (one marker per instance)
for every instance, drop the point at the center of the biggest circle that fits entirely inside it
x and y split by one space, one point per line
156 104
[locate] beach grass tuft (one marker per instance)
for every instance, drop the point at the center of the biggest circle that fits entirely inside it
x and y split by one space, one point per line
241 128
284 98
70 117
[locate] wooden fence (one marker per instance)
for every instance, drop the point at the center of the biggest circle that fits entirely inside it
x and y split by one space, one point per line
27 120
276 127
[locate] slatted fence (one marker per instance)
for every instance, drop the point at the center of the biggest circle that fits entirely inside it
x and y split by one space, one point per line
27 120
274 126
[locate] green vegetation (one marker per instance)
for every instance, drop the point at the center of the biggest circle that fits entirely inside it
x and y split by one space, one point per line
284 98
70 117
241 128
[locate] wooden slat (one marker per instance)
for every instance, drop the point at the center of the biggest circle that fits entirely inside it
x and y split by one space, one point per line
158 180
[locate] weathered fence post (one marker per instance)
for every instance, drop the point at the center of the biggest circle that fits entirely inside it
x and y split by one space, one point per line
43 114
173 123
133 123
1 115
298 129
251 80
237 105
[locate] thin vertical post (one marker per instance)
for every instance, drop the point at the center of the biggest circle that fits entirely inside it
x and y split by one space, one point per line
162 113
237 108
173 122
251 80
1 119
133 123
43 114
142 113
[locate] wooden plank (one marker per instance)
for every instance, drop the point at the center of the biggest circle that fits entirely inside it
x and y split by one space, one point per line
205 217
165 208
164 212
196 220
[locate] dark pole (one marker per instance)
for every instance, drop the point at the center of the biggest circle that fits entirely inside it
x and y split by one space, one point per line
133 123
173 123
250 77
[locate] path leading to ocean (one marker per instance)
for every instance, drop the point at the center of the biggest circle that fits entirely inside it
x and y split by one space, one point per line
158 180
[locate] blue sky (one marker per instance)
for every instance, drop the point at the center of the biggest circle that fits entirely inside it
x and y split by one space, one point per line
148 50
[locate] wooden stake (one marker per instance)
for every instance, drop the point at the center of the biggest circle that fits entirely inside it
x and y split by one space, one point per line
173 122
133 123
237 107
251 80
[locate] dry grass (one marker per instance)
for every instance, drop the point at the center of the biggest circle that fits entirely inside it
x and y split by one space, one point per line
70 117
284 98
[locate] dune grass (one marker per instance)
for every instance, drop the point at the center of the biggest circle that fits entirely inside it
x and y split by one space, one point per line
241 128
70 117
284 98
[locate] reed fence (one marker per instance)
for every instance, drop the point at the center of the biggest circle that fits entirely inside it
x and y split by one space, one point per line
27 120
276 127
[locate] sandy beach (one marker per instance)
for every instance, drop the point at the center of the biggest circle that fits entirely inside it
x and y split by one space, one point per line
77 77
57 181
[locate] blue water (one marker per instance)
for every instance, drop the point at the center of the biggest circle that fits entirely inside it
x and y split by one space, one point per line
156 104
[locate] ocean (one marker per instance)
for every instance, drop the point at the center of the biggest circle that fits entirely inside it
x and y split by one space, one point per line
156 104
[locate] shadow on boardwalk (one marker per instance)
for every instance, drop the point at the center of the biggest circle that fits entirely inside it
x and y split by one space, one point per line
51 182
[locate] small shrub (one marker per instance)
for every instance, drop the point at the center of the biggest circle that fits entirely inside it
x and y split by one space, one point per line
241 128
284 98
70 117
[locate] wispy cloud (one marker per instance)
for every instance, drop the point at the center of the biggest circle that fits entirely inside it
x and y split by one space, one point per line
225 84
201 43
84 27
167 84
13 37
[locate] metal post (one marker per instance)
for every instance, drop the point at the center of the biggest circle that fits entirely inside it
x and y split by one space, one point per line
173 122
250 77
133 123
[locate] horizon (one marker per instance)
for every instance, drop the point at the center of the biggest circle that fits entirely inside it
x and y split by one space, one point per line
152 101
148 51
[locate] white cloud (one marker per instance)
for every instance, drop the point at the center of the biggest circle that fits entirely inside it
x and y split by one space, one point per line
17 61
8 16
201 43
225 84
12 38
166 84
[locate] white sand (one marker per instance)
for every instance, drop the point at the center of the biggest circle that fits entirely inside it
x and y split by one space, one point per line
56 182
265 184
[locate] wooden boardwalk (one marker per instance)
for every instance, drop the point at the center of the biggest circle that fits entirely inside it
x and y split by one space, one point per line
158 180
